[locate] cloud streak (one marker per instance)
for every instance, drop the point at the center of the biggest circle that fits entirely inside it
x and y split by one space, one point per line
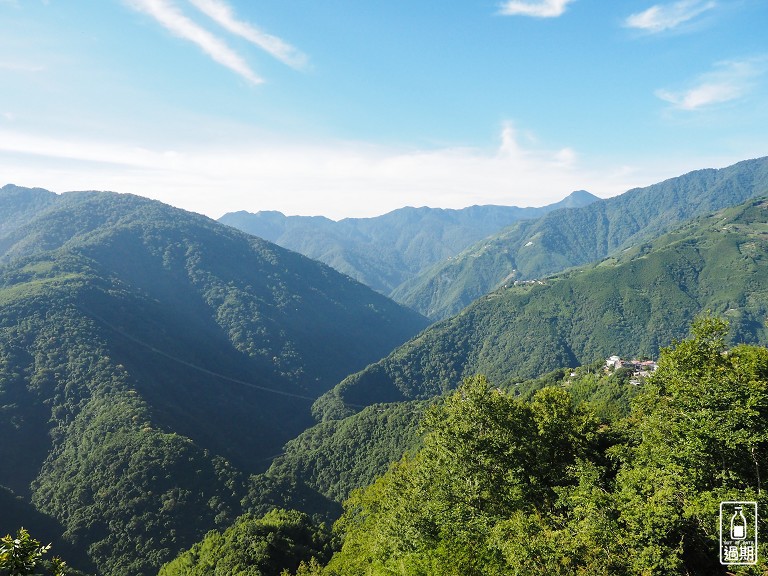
535 8
222 14
731 80
169 16
661 17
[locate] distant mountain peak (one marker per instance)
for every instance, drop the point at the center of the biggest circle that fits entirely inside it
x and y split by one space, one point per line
580 196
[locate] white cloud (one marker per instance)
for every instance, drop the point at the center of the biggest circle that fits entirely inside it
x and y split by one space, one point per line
337 179
509 141
729 81
167 14
535 8
662 17
223 14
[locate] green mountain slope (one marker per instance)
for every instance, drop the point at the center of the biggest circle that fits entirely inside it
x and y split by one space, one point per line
150 359
385 251
337 456
324 464
20 205
629 306
532 249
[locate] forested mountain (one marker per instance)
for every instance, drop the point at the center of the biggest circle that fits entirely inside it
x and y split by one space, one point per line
336 456
20 205
151 359
385 251
531 249
630 305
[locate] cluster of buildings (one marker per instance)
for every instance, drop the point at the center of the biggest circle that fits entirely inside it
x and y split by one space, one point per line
638 367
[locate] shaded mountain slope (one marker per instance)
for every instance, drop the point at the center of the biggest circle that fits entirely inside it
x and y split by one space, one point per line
532 249
631 306
20 205
150 359
384 251
336 456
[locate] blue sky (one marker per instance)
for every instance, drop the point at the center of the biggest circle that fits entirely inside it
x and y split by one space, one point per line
349 108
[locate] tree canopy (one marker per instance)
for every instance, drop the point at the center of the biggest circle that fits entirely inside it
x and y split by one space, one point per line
503 486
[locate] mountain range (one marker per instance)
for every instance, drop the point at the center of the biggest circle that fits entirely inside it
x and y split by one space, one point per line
631 304
385 251
162 373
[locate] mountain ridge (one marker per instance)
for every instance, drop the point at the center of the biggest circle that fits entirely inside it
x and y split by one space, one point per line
383 251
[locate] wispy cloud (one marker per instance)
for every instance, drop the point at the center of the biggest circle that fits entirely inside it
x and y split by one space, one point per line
662 17
167 14
223 14
730 80
535 8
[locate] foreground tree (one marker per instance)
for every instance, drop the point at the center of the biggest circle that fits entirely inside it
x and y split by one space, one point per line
23 555
505 487
700 437
254 547
487 456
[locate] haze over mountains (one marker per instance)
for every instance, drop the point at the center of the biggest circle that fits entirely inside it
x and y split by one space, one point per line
532 249
386 251
438 261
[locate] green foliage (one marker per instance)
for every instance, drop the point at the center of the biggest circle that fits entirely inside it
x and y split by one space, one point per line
22 555
16 512
702 427
385 251
505 487
486 455
337 456
266 546
325 463
534 249
630 305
